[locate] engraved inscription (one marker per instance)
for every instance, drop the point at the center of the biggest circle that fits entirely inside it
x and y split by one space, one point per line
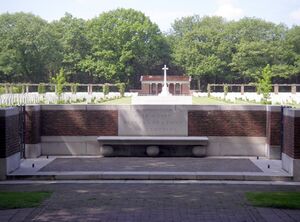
148 122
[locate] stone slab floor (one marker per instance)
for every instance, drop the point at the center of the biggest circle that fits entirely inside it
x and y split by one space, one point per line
143 202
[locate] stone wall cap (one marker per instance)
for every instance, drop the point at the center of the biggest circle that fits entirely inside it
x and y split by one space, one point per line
32 107
9 111
274 108
292 112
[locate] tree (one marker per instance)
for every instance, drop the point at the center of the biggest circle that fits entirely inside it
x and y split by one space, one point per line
125 45
198 47
59 80
28 50
258 43
71 33
264 84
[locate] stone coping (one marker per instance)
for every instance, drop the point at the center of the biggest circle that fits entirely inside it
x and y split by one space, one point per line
158 107
273 108
292 112
10 111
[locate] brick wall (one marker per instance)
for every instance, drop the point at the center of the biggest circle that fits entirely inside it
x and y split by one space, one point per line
9 137
273 128
145 88
227 123
79 122
185 89
291 136
32 127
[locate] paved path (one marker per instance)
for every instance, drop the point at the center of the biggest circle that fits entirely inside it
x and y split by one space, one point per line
137 164
150 202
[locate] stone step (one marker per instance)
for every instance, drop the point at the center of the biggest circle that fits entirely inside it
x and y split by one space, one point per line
148 176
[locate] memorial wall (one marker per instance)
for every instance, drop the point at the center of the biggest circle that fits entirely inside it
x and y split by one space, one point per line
73 129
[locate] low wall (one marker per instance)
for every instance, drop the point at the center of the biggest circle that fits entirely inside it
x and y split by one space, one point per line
291 142
73 129
9 141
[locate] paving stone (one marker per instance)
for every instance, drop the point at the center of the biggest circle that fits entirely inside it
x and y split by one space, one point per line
150 202
160 164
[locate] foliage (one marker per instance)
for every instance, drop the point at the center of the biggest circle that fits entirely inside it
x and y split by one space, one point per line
41 88
28 49
105 89
264 84
208 90
17 88
75 46
59 80
2 90
13 200
74 87
285 200
125 44
121 88
225 89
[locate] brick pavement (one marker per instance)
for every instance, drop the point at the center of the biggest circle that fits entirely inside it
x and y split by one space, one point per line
152 202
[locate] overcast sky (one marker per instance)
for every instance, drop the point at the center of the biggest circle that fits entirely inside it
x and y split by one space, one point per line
162 12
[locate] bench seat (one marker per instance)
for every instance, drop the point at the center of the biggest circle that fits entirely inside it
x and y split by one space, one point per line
153 140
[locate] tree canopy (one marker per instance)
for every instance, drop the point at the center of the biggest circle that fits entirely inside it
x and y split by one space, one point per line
119 46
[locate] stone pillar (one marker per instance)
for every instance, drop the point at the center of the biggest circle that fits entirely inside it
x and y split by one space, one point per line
242 89
294 89
32 131
90 89
27 88
273 145
156 88
276 89
9 141
291 142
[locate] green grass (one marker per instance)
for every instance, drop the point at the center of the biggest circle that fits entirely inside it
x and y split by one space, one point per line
286 200
120 101
207 101
215 101
12 200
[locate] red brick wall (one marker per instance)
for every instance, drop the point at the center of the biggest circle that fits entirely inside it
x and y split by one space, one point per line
185 89
227 123
32 127
79 123
291 136
273 128
9 136
145 89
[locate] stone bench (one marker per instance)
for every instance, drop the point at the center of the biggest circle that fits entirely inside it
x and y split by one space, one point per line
199 144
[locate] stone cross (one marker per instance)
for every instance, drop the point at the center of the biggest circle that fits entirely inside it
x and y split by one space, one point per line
165 75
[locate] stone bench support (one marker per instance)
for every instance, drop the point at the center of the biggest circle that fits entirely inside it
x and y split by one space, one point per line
153 142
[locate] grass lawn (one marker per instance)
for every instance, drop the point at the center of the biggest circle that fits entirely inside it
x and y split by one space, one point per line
207 101
213 101
287 200
12 200
121 101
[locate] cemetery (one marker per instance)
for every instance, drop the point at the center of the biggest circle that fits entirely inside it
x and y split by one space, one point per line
110 118
153 130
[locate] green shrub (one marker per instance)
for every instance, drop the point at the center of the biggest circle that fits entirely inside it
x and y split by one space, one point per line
74 88
264 84
59 80
41 88
121 88
2 90
17 88
105 89
225 88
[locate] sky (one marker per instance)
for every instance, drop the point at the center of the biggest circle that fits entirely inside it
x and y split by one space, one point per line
162 12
